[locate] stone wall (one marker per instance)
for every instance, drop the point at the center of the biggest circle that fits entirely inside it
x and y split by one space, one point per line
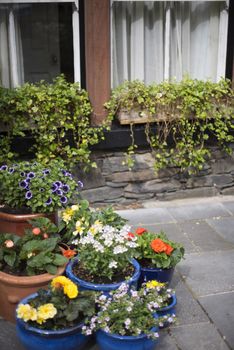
113 183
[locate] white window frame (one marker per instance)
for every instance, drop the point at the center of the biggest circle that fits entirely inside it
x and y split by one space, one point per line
75 27
223 32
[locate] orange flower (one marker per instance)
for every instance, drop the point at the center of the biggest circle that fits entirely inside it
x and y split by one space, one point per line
140 230
36 231
158 245
69 253
169 249
130 235
45 235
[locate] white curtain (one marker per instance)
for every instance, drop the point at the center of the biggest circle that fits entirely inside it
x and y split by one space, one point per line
147 36
11 54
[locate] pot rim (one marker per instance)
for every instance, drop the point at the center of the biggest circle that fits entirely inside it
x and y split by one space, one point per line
171 305
25 280
157 268
22 217
102 287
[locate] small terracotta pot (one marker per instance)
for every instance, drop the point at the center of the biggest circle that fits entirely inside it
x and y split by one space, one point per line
17 223
15 288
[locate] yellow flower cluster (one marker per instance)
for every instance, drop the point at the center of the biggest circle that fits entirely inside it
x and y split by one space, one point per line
68 213
40 315
154 284
69 288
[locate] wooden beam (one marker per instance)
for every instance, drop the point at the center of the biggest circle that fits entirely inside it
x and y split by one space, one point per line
97 55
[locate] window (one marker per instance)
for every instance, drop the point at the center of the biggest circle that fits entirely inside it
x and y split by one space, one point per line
157 40
38 40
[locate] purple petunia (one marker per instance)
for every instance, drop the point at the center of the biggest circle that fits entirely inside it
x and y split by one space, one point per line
80 184
59 192
54 187
46 171
49 201
22 173
31 175
66 188
58 183
11 170
28 195
63 199
41 189
4 167
23 184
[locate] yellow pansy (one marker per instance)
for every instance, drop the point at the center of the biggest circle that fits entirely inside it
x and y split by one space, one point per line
46 311
153 284
71 290
59 281
26 312
67 215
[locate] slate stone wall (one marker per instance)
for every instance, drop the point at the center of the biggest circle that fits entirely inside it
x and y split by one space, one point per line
113 183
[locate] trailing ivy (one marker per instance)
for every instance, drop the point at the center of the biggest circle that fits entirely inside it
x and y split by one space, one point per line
58 117
187 115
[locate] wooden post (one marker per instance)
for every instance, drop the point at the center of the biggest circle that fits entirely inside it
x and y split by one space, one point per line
97 53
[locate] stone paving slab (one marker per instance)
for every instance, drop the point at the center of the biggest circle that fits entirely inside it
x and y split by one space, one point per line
146 216
209 272
224 227
188 310
220 308
198 337
204 237
198 211
229 206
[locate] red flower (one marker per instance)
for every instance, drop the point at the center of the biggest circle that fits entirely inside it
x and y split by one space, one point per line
69 253
158 245
169 249
140 230
130 235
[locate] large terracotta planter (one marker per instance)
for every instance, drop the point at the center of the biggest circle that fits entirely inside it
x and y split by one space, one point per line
14 288
16 223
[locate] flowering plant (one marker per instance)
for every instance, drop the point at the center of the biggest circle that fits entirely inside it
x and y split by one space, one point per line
35 253
156 250
105 251
154 290
127 313
78 219
61 306
31 186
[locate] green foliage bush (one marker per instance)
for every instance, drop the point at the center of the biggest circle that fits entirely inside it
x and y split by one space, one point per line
187 115
58 117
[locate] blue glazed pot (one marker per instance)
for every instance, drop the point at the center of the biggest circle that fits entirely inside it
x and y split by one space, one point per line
106 288
108 341
39 339
161 275
168 310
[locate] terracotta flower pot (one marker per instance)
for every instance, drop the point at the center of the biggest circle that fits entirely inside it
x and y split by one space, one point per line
17 223
15 288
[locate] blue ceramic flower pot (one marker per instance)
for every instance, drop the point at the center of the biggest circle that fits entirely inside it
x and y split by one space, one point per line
106 288
161 275
168 310
39 339
108 341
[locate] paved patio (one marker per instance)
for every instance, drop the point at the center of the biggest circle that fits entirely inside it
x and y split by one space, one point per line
204 281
